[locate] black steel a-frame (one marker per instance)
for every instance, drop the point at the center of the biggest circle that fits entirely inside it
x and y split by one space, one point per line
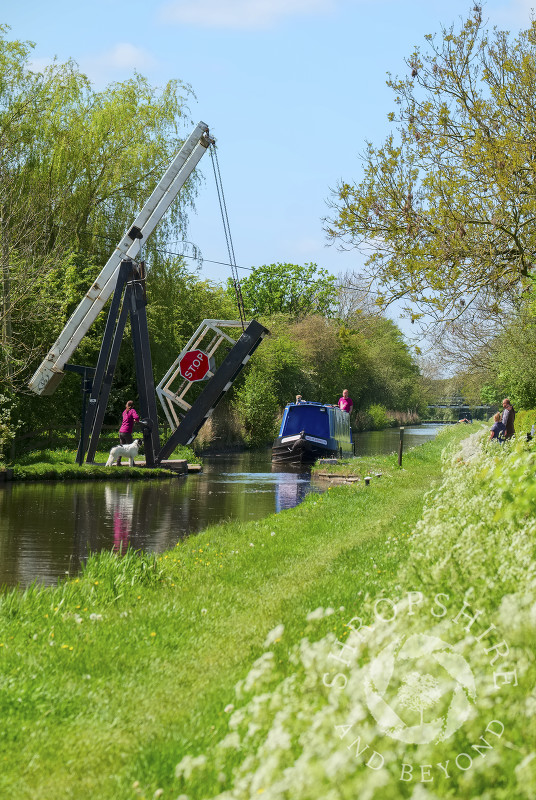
130 289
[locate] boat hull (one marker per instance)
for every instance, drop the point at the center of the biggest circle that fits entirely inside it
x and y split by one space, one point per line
301 451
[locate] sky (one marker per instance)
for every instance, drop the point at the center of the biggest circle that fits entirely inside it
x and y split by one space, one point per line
290 89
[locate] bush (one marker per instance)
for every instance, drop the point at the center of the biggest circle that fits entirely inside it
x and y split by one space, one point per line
258 406
378 415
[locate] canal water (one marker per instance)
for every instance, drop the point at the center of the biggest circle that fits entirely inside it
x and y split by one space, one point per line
48 529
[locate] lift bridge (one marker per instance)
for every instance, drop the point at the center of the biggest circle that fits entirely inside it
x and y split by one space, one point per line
123 279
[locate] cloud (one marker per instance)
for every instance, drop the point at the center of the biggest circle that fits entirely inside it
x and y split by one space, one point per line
102 67
244 14
123 56
39 64
116 63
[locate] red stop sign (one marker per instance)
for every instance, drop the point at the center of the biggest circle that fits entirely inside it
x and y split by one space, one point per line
194 365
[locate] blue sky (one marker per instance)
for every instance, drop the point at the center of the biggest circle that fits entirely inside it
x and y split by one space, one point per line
291 89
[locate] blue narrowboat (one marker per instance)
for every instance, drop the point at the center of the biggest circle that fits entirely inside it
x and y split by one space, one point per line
310 431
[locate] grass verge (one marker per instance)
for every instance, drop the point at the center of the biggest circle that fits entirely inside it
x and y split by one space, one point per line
110 679
60 464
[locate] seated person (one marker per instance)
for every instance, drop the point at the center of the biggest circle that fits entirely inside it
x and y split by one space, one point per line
497 429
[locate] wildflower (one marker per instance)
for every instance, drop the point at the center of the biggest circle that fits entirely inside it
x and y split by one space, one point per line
188 765
203 610
95 617
318 613
228 708
153 633
274 636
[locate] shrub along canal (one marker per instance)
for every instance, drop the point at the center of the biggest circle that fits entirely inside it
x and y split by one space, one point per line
48 529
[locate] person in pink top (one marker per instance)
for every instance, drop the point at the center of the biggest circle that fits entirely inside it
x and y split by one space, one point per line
346 403
130 416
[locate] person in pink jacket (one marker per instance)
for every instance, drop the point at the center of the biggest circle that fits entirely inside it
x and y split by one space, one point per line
345 402
130 416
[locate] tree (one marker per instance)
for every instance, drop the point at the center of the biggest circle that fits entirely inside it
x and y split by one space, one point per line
288 289
446 207
512 358
75 167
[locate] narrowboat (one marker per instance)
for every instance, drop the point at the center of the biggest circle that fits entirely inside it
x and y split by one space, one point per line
310 431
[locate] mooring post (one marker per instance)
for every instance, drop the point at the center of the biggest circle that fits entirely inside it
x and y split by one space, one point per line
400 447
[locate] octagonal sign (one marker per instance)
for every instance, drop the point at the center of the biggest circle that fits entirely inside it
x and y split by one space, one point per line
194 365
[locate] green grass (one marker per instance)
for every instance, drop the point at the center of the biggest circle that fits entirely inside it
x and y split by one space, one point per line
60 464
91 705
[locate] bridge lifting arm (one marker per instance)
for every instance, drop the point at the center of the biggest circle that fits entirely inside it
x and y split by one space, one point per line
50 373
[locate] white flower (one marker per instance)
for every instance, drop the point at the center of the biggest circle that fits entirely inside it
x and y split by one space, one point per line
232 741
318 613
274 635
188 765
95 617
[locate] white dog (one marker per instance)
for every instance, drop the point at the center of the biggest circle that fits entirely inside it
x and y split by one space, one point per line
129 451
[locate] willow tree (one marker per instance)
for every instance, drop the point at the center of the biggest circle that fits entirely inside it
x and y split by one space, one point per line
445 210
75 167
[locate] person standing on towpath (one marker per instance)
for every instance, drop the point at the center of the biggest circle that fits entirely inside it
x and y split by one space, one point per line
508 417
130 416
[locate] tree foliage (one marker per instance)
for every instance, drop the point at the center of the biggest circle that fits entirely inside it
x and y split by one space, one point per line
288 289
446 206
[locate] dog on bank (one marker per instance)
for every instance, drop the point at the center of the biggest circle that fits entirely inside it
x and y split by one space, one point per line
129 451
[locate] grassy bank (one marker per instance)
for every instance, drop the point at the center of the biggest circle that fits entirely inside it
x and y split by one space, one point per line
111 680
61 464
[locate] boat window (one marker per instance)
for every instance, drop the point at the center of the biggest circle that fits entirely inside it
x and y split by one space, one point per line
311 419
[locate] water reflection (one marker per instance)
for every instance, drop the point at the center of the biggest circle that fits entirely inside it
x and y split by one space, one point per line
47 530
120 507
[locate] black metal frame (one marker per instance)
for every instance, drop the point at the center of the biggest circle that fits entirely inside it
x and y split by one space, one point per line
86 374
130 288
